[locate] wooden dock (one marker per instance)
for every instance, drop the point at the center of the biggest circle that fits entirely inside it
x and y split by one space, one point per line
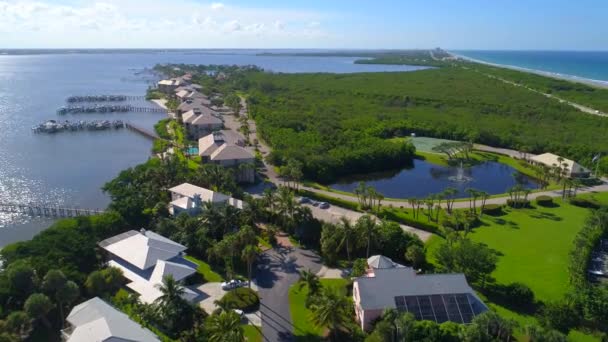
46 210
146 133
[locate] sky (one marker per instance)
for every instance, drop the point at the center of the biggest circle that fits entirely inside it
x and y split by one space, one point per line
365 24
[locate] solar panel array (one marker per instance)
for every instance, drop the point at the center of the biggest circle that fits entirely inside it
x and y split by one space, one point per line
459 308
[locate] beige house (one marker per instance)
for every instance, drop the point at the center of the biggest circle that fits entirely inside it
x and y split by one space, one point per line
226 148
573 169
189 198
200 122
435 297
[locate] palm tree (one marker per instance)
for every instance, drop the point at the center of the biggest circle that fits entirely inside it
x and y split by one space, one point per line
249 255
171 305
349 234
286 205
225 327
311 280
367 225
331 310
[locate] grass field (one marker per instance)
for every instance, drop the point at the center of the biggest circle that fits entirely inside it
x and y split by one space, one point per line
534 245
252 333
205 270
304 329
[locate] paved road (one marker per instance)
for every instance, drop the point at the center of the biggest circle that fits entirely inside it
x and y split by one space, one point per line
278 269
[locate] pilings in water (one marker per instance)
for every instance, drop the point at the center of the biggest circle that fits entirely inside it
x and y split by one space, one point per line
107 109
45 210
103 98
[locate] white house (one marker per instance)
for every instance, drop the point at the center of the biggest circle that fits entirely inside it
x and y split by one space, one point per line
145 258
436 297
226 148
189 198
573 169
96 320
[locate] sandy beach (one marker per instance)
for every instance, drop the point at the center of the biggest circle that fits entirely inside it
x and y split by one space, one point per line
571 78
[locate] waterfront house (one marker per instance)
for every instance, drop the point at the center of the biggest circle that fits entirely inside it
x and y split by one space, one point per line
189 198
201 121
96 320
168 86
226 148
573 169
145 258
436 297
199 102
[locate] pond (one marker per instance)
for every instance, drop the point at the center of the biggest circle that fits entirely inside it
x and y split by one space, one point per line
424 179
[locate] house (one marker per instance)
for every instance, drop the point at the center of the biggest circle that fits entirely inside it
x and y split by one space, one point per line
145 258
572 168
189 198
226 148
195 100
201 121
96 320
169 86
436 297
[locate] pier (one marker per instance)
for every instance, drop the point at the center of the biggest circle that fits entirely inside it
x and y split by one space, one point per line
45 210
108 109
146 133
103 98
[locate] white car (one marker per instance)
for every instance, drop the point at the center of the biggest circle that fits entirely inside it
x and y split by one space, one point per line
239 312
233 284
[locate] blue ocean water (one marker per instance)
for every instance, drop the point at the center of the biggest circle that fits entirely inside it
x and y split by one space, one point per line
69 168
591 65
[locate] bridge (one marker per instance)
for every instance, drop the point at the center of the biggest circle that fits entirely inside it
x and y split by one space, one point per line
46 210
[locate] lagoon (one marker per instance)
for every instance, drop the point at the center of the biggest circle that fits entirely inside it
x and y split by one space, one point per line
424 179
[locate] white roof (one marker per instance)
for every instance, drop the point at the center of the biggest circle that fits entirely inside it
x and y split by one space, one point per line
211 142
189 190
550 159
96 320
149 292
207 119
380 261
165 268
142 250
183 202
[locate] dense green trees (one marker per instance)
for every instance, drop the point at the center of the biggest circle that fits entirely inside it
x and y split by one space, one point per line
338 124
462 255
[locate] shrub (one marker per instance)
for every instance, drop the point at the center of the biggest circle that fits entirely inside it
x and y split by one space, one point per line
545 201
519 294
492 209
359 267
584 203
520 203
242 298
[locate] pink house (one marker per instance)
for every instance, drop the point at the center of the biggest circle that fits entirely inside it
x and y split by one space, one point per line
436 297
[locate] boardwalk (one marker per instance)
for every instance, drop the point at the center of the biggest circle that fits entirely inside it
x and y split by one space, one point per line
146 133
46 210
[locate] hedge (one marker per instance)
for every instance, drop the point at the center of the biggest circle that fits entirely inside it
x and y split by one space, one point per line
407 219
544 201
584 203
492 209
242 298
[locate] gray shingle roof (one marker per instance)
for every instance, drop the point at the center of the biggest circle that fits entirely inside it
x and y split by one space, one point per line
379 292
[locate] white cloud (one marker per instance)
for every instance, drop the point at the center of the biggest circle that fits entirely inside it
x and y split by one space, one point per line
217 6
161 23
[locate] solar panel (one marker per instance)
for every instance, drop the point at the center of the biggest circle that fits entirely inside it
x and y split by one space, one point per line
459 308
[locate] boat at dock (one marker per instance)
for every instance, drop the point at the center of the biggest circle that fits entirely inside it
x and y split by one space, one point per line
53 126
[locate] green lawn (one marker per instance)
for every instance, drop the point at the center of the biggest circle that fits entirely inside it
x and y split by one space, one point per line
252 333
205 270
534 245
304 329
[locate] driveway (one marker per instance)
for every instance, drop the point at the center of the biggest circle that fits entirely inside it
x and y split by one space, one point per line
213 291
278 269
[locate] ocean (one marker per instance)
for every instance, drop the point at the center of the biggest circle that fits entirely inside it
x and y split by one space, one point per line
69 168
581 65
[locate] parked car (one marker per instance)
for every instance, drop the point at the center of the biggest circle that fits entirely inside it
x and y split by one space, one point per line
304 200
239 312
233 284
314 203
323 205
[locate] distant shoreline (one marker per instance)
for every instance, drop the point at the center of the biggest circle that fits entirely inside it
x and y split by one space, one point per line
564 77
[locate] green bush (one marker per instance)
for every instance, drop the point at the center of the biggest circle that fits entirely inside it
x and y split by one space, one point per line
584 203
242 298
492 209
519 294
545 201
161 128
520 203
402 217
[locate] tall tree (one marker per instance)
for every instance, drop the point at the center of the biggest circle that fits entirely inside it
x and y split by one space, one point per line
366 224
349 234
225 327
331 310
249 255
